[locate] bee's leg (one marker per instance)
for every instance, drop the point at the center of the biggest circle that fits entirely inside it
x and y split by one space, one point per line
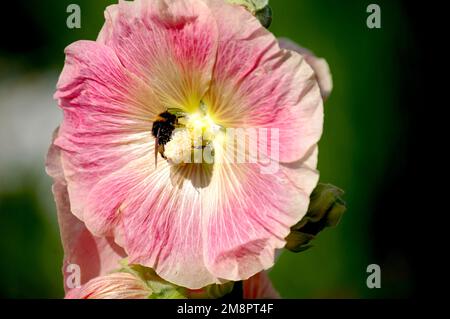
157 147
161 151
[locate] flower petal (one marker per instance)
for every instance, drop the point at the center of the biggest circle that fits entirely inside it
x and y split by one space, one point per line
119 285
107 118
319 65
95 256
170 44
176 247
250 212
256 84
196 227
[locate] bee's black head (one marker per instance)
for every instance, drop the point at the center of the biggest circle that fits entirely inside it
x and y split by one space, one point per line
169 117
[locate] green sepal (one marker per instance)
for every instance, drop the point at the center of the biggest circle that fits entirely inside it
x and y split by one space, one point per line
298 241
161 289
265 16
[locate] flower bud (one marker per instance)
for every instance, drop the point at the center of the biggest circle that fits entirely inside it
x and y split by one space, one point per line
325 210
113 286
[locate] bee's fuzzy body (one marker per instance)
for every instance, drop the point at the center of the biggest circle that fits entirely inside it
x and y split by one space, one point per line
163 127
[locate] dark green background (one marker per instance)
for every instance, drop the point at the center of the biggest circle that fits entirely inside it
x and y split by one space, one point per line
363 128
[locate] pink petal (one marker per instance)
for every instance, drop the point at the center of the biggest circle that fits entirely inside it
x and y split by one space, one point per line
250 214
170 44
189 234
95 256
162 221
255 84
319 65
106 118
259 286
113 286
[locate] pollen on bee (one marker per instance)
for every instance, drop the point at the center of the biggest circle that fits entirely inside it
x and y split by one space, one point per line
183 137
179 149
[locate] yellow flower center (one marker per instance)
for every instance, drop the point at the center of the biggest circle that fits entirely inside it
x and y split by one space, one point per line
193 140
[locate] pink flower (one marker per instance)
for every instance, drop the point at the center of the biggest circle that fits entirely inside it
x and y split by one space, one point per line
319 65
194 224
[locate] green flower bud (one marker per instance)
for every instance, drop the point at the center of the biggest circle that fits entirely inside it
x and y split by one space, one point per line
325 210
161 289
298 241
265 16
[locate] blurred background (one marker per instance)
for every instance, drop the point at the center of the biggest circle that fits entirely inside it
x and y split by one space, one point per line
368 129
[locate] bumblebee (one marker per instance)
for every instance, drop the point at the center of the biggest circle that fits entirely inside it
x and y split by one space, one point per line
162 129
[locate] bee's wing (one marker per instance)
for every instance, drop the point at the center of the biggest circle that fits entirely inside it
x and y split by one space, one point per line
176 111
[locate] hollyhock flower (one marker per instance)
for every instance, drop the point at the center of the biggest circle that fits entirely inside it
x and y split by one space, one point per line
319 65
194 224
